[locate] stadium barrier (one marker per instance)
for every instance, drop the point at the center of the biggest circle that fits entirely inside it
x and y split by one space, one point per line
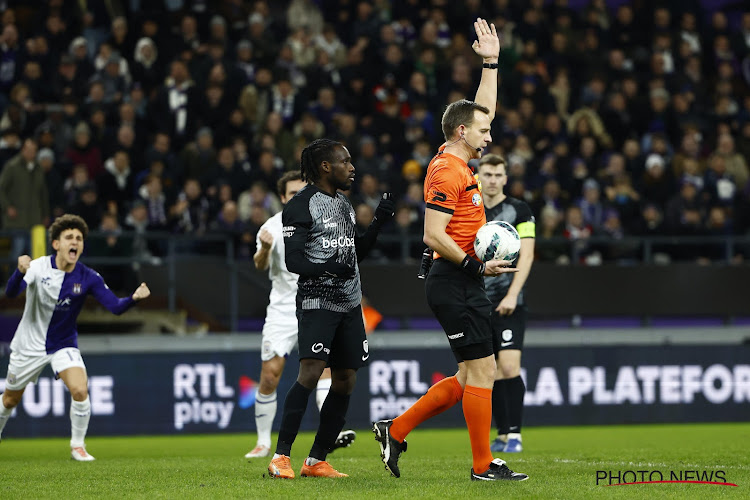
147 385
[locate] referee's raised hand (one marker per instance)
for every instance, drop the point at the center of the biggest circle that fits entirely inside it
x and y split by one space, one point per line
487 44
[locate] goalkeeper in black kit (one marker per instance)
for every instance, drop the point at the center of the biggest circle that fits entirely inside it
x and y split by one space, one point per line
323 247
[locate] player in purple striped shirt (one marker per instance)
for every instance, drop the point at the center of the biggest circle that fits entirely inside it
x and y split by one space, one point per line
56 288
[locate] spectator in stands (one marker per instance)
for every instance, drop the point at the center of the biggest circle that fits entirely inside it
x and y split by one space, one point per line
88 206
116 184
46 159
151 192
113 244
84 152
24 198
229 223
190 213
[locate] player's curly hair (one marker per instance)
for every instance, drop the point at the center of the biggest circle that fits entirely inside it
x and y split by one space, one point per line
313 155
459 113
65 222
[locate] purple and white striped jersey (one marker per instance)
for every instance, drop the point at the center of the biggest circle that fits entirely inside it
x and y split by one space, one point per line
54 299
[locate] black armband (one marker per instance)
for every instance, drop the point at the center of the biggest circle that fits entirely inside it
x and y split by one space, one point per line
472 267
489 65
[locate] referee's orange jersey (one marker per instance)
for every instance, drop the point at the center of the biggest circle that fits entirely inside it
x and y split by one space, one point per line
450 187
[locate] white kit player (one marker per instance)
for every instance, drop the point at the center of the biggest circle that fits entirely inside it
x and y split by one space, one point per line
56 289
280 327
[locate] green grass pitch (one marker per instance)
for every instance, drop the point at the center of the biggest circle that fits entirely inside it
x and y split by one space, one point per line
562 463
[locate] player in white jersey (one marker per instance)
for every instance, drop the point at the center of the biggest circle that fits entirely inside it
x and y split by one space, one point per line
280 327
56 289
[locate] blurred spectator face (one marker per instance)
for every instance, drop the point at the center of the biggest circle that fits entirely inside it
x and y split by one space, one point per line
717 164
591 194
393 55
98 119
109 223
691 167
29 150
32 70
651 215
258 193
153 187
717 218
661 18
139 213
414 192
688 191
96 92
719 21
403 217
82 138
179 72
263 77
274 122
229 212
80 174
126 136
327 98
265 161
364 214
147 52
258 215
625 14
549 218
574 217
119 28
217 76
368 185
122 161
214 93
150 28
239 149
225 158
188 27
726 145
517 189
285 88
387 34
192 189
225 193
630 87
161 143
588 147
80 51
615 164
89 196
551 189
631 148
347 124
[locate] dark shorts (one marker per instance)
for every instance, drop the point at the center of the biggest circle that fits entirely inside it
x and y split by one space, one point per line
338 338
508 331
460 304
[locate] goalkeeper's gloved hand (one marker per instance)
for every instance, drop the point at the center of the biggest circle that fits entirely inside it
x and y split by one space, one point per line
385 211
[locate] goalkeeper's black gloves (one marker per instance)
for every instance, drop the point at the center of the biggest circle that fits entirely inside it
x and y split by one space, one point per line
385 211
334 269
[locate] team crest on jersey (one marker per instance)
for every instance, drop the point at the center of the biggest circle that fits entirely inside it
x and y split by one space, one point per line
77 288
476 199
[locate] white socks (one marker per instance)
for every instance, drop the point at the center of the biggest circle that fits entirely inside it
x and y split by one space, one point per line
4 415
514 435
80 414
310 461
265 412
321 393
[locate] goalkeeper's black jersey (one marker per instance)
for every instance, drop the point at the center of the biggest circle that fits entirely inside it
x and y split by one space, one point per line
325 226
518 213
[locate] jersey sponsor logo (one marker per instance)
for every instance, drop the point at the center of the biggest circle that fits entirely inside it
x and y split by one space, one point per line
287 231
456 336
46 281
326 221
476 199
507 334
341 241
77 288
506 344
439 196
329 225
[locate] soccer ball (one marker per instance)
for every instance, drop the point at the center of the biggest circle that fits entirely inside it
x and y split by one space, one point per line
497 240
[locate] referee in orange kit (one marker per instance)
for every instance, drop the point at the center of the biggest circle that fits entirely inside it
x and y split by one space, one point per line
455 287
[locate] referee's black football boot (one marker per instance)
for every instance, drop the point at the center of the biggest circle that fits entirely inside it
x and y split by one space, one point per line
498 471
390 449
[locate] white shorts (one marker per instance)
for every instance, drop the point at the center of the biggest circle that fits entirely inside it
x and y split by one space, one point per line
279 337
24 369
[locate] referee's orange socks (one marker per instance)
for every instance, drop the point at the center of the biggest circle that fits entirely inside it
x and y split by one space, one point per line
478 414
441 396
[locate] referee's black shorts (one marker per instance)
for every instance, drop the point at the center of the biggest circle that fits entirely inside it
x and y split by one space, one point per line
460 304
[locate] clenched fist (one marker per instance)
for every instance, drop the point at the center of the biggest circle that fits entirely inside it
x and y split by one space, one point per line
141 292
23 263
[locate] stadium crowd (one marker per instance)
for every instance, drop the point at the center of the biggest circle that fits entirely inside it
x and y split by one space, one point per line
181 115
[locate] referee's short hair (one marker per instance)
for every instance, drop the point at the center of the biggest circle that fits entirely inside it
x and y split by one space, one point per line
492 159
459 113
292 175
